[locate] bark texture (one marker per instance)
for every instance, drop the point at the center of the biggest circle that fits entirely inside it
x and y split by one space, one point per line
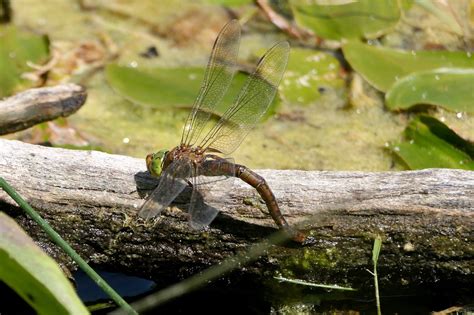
425 219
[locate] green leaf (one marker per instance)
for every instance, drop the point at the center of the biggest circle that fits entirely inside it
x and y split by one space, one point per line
346 19
382 66
34 275
451 88
432 144
307 71
168 87
158 87
16 49
376 250
443 132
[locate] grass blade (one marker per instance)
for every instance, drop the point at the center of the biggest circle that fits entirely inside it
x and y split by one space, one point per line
66 247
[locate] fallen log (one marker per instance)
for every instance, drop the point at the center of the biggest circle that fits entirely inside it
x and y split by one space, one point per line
34 106
425 219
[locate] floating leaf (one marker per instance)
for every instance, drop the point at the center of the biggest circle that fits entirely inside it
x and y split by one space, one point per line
430 143
159 87
309 72
451 88
382 66
16 50
167 87
349 19
34 275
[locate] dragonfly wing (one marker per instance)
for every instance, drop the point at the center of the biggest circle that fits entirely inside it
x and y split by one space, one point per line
172 182
201 214
252 102
217 78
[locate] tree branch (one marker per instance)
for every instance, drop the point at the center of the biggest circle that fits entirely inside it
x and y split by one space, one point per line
34 106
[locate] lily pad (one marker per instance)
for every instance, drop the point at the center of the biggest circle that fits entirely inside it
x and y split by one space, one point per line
451 88
308 74
382 66
432 144
17 49
348 19
168 87
34 275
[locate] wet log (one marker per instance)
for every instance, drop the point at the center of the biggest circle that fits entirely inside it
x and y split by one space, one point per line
425 219
34 106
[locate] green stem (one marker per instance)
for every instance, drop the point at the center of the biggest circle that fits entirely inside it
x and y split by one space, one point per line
377 296
375 258
66 247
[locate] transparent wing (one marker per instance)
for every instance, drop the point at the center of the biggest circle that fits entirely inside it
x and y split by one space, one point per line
219 73
172 183
201 212
252 102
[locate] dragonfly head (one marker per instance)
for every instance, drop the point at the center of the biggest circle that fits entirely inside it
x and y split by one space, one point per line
154 162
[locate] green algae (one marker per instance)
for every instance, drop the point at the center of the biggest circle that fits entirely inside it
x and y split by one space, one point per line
309 260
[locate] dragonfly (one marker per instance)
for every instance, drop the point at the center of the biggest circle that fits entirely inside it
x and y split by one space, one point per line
204 153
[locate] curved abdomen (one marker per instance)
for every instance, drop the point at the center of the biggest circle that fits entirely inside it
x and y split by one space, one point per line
219 167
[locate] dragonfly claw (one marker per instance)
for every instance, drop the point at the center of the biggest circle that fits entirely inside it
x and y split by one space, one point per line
301 238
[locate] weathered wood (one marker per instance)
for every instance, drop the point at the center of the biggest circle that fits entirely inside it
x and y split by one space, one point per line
34 106
424 217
